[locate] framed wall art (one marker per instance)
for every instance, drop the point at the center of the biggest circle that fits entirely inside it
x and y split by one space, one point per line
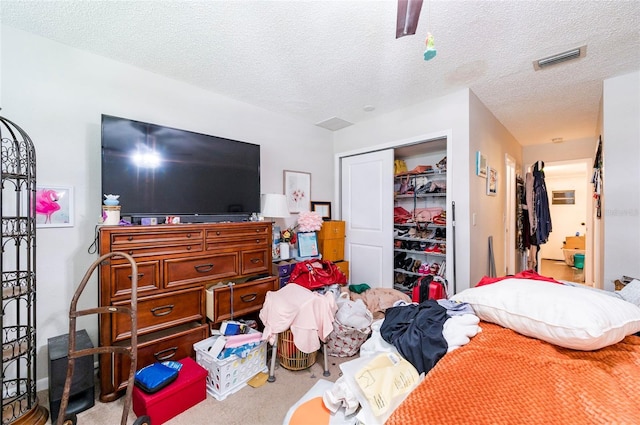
297 189
322 208
481 165
54 206
492 181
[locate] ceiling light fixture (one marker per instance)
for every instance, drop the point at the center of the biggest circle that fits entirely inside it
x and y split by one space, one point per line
369 108
408 15
576 53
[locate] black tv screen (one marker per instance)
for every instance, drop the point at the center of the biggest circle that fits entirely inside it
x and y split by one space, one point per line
160 171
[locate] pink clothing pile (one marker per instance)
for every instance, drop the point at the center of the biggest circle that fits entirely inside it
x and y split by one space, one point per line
308 314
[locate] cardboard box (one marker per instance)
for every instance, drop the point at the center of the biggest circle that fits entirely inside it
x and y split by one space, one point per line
186 391
574 242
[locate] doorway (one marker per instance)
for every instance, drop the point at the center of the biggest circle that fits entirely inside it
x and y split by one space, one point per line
569 193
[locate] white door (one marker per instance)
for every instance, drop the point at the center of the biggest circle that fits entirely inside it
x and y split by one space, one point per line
367 209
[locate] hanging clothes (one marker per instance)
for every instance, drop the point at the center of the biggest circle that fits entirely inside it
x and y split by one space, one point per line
541 205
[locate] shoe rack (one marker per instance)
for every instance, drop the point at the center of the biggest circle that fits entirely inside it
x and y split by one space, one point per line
420 222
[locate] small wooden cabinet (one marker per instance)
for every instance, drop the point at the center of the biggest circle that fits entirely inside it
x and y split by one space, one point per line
175 264
331 240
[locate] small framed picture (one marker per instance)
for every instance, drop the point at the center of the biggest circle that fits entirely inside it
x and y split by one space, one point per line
54 206
307 244
322 208
492 181
481 165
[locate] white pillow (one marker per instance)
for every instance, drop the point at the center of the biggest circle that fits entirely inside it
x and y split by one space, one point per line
631 292
563 315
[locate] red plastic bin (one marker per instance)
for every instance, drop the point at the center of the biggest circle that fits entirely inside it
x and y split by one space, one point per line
185 392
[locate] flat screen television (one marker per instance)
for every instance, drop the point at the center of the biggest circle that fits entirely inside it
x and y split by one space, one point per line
160 171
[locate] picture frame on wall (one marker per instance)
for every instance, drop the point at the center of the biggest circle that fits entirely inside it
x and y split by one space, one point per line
322 208
297 189
481 165
492 181
54 206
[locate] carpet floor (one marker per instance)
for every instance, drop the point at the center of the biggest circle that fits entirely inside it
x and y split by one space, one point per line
265 405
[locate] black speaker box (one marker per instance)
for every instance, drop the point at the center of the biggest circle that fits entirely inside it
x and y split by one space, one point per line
82 394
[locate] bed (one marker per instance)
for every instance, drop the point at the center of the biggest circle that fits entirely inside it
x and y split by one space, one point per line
547 353
502 377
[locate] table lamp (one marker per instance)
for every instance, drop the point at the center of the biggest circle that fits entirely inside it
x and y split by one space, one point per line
274 205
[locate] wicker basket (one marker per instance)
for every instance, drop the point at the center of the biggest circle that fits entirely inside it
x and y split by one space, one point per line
289 356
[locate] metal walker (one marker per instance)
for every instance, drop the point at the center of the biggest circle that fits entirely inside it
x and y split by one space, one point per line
131 351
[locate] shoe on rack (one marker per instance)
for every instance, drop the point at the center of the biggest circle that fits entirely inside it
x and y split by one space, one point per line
399 260
408 263
416 266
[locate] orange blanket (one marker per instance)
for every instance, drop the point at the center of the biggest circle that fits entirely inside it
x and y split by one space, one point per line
502 377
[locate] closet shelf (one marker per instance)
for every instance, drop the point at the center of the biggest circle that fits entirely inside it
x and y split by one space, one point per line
422 195
412 251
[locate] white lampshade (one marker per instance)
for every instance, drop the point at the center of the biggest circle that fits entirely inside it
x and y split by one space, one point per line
274 205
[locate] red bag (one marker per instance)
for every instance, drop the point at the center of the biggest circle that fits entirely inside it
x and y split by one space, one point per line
314 274
429 288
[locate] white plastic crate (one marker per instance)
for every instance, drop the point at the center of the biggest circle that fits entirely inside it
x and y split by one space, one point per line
226 376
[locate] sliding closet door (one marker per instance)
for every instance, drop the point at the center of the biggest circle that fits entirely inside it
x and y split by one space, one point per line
367 208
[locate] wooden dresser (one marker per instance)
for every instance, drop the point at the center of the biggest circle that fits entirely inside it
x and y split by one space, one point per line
175 264
331 240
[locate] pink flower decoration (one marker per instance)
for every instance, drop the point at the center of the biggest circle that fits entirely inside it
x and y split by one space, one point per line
309 221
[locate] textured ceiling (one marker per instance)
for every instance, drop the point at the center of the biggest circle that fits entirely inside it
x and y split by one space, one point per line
322 59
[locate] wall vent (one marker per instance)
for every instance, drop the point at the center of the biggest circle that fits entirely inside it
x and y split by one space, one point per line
576 53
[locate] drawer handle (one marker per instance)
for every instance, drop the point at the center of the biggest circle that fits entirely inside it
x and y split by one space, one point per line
188 235
140 275
130 238
130 252
163 310
188 247
256 260
203 268
247 298
257 240
161 356
218 233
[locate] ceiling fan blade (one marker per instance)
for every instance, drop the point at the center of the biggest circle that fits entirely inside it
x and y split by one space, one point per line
408 15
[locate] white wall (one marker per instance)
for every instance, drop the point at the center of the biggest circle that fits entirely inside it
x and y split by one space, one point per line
489 136
57 95
621 170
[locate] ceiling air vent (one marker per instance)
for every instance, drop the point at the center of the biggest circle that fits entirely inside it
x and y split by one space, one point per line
576 53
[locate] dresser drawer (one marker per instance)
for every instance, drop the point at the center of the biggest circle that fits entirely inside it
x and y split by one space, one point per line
247 298
156 236
173 248
187 271
246 231
174 346
333 229
332 249
255 241
148 278
158 312
254 261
